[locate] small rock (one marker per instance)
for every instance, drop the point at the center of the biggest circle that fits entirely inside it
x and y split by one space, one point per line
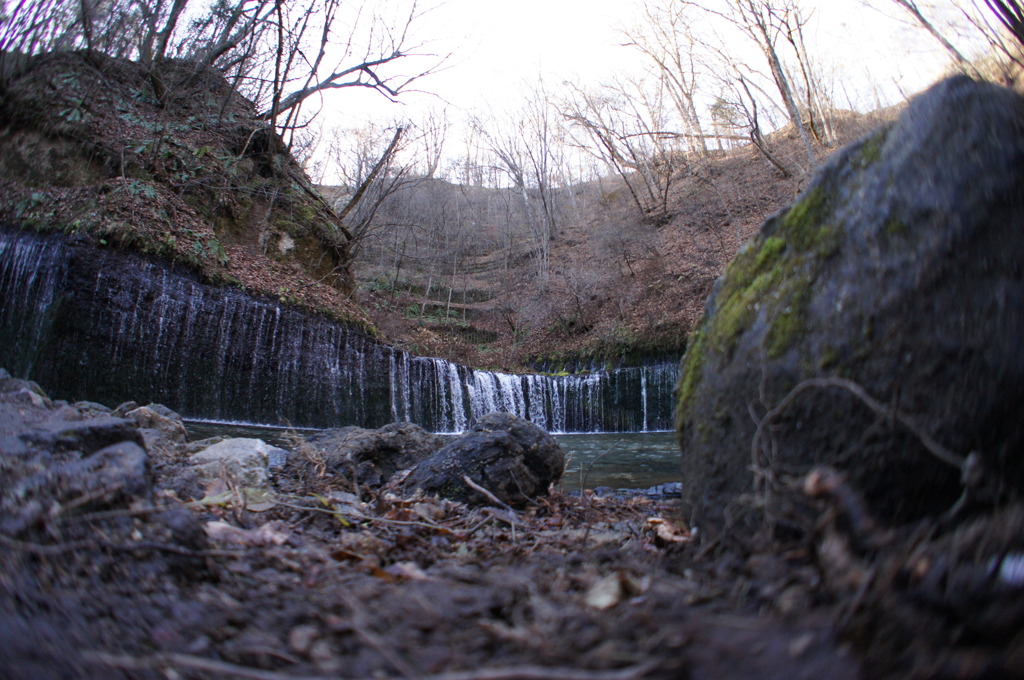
200 444
242 458
124 408
373 456
277 459
159 418
123 466
301 638
91 408
27 396
84 436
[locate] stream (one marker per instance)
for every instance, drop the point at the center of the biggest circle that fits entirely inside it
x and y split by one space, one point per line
624 460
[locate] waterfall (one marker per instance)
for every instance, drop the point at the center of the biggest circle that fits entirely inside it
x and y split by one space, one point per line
643 401
110 326
31 277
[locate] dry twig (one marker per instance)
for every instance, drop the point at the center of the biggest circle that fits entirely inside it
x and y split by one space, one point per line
490 496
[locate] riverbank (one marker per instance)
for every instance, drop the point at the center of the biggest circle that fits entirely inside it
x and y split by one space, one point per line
124 558
112 569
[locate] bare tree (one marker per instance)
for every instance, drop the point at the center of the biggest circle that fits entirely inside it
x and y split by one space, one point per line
762 21
382 167
1001 24
362 66
526 147
912 8
666 40
791 25
277 53
625 126
1011 14
739 107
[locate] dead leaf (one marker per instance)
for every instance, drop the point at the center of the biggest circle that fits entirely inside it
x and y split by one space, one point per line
301 638
606 593
667 532
408 571
271 533
358 546
253 498
431 512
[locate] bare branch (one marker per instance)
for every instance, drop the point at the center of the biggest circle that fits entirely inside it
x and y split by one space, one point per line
381 163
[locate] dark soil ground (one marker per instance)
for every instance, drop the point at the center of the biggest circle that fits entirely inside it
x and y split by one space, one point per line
119 570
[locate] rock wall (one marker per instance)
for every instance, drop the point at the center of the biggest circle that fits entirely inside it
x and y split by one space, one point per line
86 146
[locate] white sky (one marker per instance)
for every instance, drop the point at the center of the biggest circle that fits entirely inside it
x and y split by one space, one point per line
498 48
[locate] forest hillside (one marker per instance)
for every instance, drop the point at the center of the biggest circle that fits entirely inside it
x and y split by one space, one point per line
454 274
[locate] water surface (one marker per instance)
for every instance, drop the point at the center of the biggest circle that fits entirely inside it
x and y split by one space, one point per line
625 460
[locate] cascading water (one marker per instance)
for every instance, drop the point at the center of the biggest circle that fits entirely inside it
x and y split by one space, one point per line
31 277
109 326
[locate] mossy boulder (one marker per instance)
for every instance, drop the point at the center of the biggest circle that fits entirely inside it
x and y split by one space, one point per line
899 273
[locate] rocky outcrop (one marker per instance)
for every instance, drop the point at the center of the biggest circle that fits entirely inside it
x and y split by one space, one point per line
511 458
373 456
86 146
874 325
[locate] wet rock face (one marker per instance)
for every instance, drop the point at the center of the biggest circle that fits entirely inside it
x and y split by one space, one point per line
901 270
508 456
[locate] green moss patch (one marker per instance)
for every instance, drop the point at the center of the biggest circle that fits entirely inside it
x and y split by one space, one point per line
689 378
773 276
871 148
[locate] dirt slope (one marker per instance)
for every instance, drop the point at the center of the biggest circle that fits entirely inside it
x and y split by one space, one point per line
86 148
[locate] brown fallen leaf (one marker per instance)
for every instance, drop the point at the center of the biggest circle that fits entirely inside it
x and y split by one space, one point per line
614 588
667 532
271 533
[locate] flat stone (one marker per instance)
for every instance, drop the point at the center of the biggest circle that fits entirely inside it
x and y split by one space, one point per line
245 460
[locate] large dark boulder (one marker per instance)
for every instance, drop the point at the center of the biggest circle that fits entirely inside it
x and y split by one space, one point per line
513 459
373 456
896 282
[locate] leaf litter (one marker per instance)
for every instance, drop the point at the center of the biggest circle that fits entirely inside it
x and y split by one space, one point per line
320 577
